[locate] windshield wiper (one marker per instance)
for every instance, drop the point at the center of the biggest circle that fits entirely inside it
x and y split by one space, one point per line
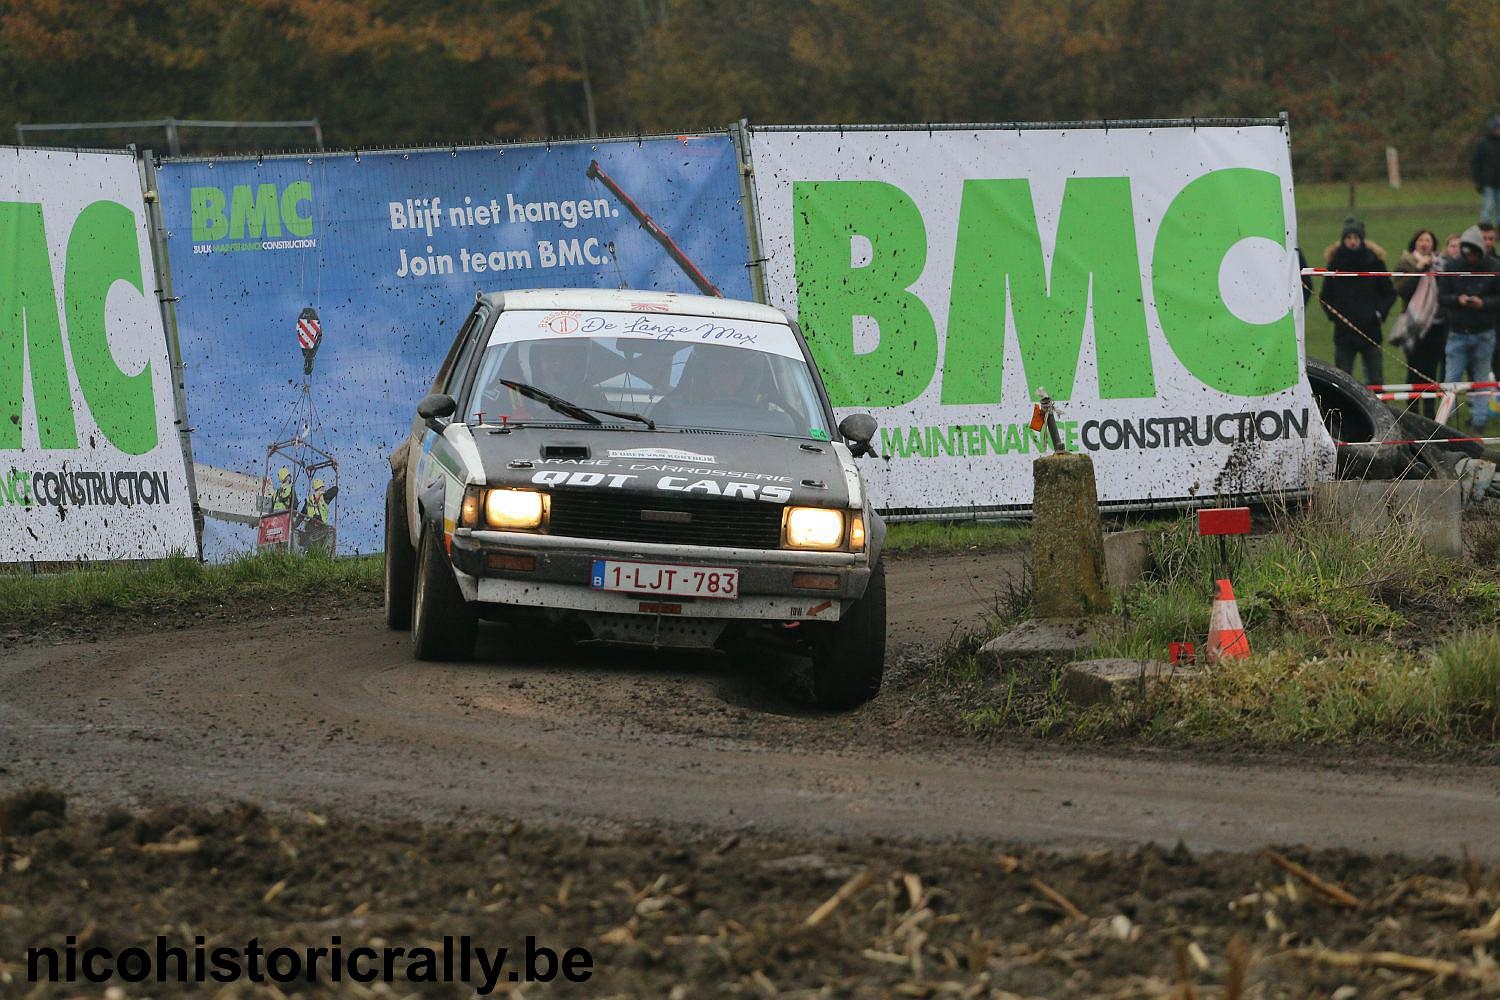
574 410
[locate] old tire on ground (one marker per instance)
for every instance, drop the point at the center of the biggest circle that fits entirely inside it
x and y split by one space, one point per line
443 626
400 561
848 658
1355 415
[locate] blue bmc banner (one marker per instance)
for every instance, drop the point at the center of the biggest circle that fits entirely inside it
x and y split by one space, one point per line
319 294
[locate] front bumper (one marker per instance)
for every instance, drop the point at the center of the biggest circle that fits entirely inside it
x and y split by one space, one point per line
563 565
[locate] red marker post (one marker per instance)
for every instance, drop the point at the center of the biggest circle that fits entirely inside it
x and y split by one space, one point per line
1226 633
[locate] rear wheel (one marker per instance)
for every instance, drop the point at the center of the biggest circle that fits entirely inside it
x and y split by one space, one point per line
443 626
848 658
399 561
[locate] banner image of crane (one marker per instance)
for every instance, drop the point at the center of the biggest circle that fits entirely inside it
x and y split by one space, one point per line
301 480
371 260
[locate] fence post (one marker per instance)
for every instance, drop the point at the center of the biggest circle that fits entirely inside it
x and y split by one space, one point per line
162 267
739 132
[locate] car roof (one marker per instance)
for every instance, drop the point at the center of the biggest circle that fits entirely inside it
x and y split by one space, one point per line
628 300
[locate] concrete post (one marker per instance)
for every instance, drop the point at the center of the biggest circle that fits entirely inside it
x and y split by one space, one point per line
1067 539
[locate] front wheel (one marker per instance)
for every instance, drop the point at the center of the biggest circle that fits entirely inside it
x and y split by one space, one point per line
848 657
443 625
399 561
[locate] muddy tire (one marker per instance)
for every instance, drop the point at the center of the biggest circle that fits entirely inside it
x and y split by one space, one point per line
1355 415
1350 411
848 658
400 561
443 626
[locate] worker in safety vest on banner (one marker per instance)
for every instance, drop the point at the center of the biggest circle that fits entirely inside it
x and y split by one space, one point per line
315 527
285 498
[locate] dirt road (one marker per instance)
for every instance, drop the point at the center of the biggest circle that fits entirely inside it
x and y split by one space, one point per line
330 713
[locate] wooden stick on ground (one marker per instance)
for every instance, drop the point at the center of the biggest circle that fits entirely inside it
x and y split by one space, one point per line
1488 931
1333 892
1184 989
1386 960
1237 971
1059 900
848 889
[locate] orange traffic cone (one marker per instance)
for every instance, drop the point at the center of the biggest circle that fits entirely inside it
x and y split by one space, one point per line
1226 634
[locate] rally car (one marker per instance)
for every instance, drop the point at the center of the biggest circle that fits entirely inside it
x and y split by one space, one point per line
662 470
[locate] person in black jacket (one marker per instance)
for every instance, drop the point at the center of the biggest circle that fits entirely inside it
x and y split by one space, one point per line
1357 306
1486 167
1472 302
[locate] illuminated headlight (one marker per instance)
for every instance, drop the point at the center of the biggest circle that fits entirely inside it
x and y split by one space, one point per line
814 528
514 509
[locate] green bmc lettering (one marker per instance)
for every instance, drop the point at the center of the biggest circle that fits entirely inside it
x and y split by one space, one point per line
255 211
103 248
998 268
828 214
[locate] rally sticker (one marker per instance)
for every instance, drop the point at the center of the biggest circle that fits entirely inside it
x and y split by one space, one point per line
668 454
563 321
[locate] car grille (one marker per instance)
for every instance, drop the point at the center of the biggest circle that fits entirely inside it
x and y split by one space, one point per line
681 520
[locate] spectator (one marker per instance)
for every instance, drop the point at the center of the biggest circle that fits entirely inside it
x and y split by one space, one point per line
1492 263
1471 302
1421 331
1332 248
1487 172
1452 255
1357 306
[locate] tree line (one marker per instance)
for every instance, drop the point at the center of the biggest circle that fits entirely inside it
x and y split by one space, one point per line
1354 76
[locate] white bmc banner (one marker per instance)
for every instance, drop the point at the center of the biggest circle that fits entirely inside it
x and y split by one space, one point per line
1145 278
91 466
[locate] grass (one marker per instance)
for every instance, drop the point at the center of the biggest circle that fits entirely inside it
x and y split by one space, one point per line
27 598
1312 587
1390 217
954 536
1447 694
1357 638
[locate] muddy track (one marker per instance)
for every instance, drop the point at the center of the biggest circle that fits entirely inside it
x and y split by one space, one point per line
329 712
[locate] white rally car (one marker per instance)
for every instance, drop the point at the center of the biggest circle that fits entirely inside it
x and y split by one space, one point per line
661 469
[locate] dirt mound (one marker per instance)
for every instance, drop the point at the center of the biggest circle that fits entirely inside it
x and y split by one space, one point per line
670 916
30 810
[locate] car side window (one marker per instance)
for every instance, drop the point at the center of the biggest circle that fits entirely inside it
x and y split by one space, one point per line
462 348
459 377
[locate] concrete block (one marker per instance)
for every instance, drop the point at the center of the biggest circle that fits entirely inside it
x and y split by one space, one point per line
1125 557
1049 640
1430 508
1092 682
1067 539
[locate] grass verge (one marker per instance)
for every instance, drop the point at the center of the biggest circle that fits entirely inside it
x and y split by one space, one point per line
1357 638
955 536
179 581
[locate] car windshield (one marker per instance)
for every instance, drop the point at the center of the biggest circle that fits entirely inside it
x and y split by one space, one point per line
681 372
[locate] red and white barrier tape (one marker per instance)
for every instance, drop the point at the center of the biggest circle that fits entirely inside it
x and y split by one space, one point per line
1452 440
1434 386
1323 272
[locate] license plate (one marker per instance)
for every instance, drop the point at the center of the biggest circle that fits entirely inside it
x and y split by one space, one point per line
665 578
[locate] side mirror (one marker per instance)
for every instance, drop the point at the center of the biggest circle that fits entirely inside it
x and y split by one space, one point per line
859 428
437 407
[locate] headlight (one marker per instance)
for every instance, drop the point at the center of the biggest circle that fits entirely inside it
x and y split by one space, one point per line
514 508
814 528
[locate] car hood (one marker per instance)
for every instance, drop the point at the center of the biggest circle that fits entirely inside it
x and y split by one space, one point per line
706 464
